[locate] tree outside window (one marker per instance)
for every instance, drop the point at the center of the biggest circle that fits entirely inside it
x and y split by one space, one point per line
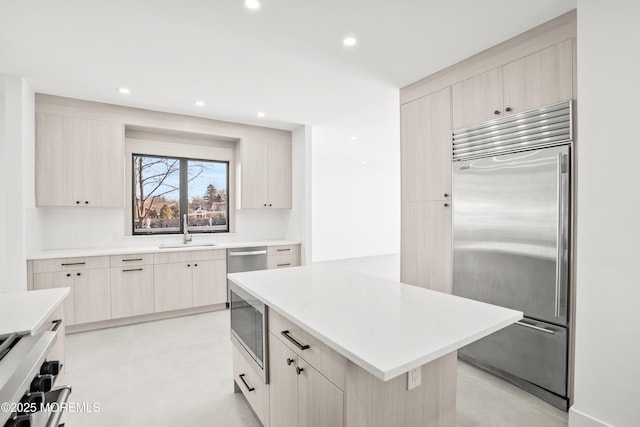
165 188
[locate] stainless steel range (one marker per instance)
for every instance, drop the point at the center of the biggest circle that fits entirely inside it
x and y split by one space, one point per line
28 397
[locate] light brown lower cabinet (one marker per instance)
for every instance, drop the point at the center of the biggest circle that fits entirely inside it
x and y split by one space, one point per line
59 279
197 278
132 291
426 245
247 381
90 296
173 286
283 256
311 385
299 394
209 282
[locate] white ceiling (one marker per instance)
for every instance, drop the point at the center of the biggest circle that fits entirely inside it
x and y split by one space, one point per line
286 59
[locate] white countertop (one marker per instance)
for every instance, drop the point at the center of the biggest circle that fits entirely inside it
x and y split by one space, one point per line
194 246
383 326
25 312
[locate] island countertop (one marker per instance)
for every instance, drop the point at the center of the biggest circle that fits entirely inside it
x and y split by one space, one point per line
383 326
26 311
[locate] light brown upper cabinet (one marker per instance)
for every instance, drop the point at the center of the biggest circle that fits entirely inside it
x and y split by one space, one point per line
79 162
265 174
426 148
477 99
542 78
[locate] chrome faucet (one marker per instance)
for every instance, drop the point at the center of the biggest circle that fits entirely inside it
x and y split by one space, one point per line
187 236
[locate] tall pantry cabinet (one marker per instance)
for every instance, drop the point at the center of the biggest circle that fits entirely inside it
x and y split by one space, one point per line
426 189
532 70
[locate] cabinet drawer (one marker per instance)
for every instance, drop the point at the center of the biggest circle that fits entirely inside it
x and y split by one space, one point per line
67 264
186 256
281 261
131 259
283 249
326 360
253 388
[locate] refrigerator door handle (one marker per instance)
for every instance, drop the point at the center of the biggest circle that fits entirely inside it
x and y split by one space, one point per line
537 328
559 248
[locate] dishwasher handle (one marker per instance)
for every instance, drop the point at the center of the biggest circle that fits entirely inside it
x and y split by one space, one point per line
247 253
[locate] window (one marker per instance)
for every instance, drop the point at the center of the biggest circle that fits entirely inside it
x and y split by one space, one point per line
167 188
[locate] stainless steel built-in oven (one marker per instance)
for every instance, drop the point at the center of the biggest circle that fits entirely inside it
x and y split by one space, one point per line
249 328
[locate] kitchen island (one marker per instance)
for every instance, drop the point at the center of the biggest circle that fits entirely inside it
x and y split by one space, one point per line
369 340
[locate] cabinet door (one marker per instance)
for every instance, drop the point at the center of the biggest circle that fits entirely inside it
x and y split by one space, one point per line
209 282
542 78
131 291
173 286
426 148
279 175
283 384
92 295
476 100
59 280
102 164
254 174
79 162
54 157
425 257
320 403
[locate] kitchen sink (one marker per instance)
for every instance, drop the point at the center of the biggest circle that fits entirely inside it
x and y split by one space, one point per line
186 245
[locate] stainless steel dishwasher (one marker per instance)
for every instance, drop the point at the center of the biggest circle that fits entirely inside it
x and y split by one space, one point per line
245 259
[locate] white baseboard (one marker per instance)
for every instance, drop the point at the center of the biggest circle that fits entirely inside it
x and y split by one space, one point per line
580 419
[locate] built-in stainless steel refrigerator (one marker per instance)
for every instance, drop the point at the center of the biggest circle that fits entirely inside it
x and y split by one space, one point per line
511 242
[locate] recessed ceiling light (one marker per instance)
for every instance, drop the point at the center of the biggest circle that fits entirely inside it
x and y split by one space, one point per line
124 90
252 4
200 103
353 138
260 114
364 162
350 41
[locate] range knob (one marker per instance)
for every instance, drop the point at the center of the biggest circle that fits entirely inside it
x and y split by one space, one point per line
50 367
30 399
41 383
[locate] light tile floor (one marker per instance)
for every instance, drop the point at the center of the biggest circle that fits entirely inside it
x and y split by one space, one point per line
178 372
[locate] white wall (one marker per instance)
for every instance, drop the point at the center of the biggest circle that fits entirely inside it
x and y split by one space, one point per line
67 228
16 174
608 278
299 227
356 183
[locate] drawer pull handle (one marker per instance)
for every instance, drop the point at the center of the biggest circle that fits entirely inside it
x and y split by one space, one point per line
537 328
245 383
299 369
284 250
56 325
132 269
132 259
294 341
284 265
73 263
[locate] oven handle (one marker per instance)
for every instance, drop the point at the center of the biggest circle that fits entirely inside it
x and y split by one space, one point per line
245 383
62 399
56 325
246 253
294 341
